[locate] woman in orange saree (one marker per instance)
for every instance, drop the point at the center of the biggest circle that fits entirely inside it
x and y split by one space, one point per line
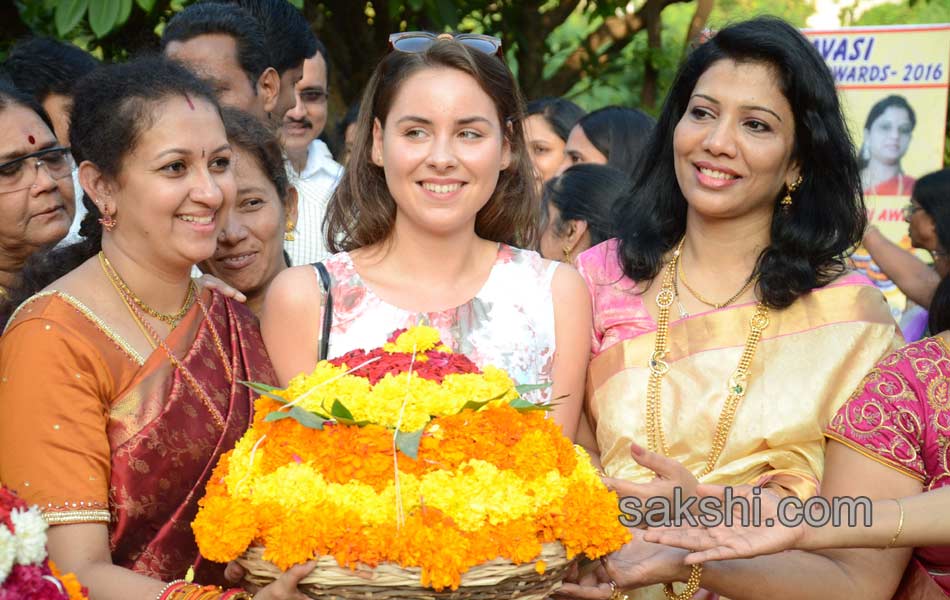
118 438
120 383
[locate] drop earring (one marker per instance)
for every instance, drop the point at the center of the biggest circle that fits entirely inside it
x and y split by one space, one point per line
108 222
289 232
789 188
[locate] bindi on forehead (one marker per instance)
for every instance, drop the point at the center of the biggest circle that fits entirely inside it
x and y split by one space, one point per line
31 139
191 104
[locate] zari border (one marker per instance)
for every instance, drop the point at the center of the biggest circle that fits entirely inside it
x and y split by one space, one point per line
91 316
876 458
71 517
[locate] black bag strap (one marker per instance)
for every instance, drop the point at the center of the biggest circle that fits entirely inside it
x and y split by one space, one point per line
327 310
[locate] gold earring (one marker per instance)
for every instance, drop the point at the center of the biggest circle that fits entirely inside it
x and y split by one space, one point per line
789 188
289 232
567 253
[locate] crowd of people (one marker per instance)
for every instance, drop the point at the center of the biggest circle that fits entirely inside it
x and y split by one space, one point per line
177 223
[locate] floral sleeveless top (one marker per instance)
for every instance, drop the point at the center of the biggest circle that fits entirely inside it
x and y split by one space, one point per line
508 324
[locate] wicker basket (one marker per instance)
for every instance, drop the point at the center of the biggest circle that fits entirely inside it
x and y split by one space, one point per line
494 580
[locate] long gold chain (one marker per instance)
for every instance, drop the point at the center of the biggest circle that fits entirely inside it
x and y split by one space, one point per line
737 387
156 341
717 305
170 319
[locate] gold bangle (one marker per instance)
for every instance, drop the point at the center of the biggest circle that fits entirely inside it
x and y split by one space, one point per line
692 585
900 525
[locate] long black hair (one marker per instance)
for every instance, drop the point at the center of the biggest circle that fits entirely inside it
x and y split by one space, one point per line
618 133
809 241
932 193
113 106
586 192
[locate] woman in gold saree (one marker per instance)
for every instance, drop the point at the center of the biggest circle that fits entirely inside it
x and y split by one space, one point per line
120 382
726 329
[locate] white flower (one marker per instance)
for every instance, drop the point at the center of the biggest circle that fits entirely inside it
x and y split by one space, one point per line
7 552
30 531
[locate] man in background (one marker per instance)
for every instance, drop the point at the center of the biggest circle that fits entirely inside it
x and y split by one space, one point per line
226 47
312 169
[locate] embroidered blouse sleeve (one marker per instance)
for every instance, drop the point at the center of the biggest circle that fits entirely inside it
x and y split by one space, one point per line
54 450
884 419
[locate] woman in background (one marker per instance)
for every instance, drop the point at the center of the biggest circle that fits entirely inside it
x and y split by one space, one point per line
250 250
577 208
546 128
36 190
613 136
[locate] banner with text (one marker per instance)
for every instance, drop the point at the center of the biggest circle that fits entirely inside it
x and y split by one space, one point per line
893 84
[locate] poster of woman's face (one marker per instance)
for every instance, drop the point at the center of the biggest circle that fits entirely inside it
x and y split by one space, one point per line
888 131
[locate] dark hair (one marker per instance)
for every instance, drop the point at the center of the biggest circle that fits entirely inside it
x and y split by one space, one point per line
209 18
41 66
587 192
339 141
618 133
114 105
932 192
12 96
252 137
362 211
289 38
938 315
560 114
828 217
322 51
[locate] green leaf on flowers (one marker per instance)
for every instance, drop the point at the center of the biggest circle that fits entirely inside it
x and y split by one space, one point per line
474 405
265 390
307 418
342 415
522 405
530 387
408 442
277 415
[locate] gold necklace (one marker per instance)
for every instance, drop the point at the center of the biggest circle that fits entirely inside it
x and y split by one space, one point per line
737 387
156 341
170 319
697 295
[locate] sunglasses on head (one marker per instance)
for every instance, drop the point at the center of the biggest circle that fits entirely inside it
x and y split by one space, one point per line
420 41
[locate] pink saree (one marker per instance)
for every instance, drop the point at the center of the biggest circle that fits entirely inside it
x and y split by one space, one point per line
900 417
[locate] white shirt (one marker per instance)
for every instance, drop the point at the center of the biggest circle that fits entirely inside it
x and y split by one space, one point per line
315 185
73 235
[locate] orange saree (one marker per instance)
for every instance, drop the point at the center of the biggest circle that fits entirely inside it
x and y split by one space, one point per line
92 432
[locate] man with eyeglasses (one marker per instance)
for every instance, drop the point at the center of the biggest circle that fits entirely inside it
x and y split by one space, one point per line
311 166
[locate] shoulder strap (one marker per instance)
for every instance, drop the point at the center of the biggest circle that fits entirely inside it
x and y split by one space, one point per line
327 310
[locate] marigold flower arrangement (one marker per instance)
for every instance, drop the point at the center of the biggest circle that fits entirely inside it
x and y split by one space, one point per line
25 571
406 454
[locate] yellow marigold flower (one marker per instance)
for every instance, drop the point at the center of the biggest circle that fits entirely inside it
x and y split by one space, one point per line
419 339
224 528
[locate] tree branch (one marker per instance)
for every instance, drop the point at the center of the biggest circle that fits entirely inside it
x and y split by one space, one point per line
619 31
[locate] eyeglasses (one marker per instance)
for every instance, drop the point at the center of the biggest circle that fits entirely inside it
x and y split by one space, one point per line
16 175
420 41
908 211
